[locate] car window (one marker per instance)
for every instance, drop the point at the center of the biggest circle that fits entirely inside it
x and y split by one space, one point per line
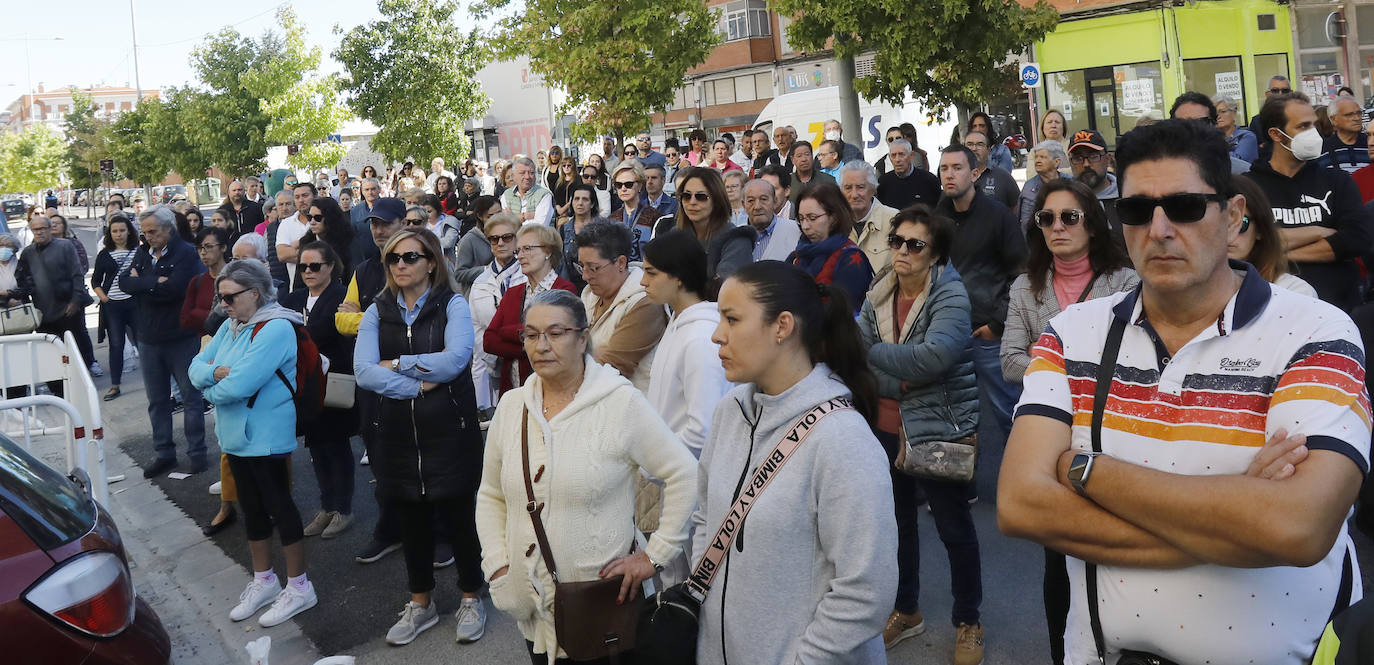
48 506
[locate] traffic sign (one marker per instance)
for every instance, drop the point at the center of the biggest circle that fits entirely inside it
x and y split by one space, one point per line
1030 74
107 166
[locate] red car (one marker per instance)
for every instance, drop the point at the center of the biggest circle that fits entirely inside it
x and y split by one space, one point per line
66 595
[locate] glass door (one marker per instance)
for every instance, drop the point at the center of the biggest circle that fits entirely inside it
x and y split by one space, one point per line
1102 106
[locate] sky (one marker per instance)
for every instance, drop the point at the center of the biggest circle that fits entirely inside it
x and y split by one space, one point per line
97 45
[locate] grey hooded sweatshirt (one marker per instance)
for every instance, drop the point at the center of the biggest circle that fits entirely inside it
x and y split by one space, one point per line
804 581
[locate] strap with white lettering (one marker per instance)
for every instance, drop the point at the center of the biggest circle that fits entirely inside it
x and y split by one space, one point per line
700 581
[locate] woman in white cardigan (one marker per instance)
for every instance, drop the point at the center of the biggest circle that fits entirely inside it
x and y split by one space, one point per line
589 432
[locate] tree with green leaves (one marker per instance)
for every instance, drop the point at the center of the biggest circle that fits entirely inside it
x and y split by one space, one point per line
178 108
413 73
32 160
88 139
133 147
942 51
302 106
619 61
226 119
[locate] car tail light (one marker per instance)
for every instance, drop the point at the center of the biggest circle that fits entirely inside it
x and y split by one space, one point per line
91 592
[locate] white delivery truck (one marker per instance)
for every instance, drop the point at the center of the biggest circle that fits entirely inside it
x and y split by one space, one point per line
808 110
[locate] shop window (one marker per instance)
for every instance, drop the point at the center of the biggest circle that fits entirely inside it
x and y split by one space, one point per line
1216 76
1270 65
1315 27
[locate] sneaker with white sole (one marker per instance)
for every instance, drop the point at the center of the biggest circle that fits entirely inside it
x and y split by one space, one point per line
216 487
472 620
255 596
289 603
415 619
364 461
96 370
337 525
317 525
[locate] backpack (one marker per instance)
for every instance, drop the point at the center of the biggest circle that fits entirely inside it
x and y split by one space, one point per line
310 382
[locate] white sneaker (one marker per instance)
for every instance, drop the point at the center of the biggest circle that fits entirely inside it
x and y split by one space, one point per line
414 620
364 461
472 620
215 487
96 369
255 596
289 603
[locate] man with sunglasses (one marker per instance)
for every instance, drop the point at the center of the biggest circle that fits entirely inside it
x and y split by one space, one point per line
647 155
1278 85
1201 497
1320 215
672 163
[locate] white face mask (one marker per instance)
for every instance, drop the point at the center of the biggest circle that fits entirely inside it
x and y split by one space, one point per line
6 253
1306 146
832 135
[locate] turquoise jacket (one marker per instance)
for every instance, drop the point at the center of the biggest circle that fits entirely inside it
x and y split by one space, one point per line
269 428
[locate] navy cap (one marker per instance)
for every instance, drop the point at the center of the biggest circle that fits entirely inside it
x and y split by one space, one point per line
388 209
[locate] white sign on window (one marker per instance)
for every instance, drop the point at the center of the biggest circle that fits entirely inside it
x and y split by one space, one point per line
1228 84
1138 94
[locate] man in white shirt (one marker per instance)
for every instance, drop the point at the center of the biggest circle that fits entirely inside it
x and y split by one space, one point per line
436 169
527 199
293 228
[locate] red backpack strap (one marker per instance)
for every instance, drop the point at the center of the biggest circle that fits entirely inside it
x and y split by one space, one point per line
256 327
285 381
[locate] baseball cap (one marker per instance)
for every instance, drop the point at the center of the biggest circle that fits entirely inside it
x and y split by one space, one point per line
1088 137
388 209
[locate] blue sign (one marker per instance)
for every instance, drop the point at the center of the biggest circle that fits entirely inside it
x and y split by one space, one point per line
1030 75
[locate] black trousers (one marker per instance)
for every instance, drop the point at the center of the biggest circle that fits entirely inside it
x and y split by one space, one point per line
264 486
1056 590
459 514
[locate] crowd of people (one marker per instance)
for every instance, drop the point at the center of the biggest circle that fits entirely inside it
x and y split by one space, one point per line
610 348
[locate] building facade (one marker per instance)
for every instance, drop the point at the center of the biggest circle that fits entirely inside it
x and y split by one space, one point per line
49 107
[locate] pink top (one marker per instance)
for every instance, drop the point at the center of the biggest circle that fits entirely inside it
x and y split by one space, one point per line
261 229
729 166
1071 278
694 158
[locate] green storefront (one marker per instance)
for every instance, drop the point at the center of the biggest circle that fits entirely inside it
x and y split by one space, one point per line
1107 68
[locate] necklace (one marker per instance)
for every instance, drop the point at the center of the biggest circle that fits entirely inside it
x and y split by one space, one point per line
563 401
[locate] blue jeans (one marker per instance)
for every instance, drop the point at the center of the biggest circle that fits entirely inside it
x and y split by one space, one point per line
162 363
119 321
996 401
954 522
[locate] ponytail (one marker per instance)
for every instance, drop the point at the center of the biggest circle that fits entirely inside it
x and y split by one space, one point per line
825 321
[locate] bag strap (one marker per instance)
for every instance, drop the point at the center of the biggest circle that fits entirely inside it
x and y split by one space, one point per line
1106 369
699 583
285 381
532 507
1089 289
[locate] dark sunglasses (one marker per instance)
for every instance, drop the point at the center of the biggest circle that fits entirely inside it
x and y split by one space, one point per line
701 197
505 237
313 267
315 218
415 222
625 184
411 258
228 298
1179 208
913 245
1045 218
589 176
1279 91
631 153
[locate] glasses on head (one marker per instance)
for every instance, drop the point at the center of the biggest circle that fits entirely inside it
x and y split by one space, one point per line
913 245
315 218
699 197
205 247
625 184
414 221
411 258
528 249
313 267
228 298
589 270
554 334
1094 158
504 237
1070 217
1179 208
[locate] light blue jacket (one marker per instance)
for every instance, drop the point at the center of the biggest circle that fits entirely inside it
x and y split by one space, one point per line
269 427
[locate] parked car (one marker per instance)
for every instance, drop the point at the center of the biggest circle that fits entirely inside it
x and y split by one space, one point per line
13 208
66 594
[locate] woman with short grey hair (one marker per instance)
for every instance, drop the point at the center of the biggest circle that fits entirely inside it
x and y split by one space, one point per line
1243 142
254 247
1046 158
248 371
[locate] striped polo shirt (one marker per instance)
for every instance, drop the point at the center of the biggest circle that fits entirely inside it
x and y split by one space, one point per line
1273 360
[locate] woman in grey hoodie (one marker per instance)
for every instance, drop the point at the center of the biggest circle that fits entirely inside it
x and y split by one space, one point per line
803 581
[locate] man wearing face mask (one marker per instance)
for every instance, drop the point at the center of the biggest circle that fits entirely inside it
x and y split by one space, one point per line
834 131
1321 219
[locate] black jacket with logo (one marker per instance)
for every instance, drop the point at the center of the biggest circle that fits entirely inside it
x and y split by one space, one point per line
1329 198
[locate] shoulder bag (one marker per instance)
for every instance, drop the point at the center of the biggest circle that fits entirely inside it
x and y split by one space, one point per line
340 388
20 319
588 623
670 623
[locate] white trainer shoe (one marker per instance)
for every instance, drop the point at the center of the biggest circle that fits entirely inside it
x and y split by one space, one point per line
215 487
289 603
255 596
472 620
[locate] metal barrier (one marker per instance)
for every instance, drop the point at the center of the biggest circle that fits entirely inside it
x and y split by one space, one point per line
35 359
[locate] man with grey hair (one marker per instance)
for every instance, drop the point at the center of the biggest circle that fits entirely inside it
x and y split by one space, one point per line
436 169
1348 148
157 278
250 246
834 131
872 219
49 274
526 199
286 209
1046 158
777 236
362 248
905 184
783 138
994 181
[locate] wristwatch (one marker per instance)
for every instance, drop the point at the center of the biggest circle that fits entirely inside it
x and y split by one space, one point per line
396 365
658 567
1079 470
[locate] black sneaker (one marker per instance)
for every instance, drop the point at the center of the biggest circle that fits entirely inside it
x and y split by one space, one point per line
159 467
443 555
209 408
375 550
177 406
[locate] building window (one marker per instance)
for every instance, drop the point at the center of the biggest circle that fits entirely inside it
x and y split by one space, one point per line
1216 76
725 91
744 89
1319 53
746 19
1109 99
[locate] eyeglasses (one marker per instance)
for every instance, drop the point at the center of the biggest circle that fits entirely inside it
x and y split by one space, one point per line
1179 208
812 219
313 267
670 154
411 258
228 298
699 197
505 237
625 184
892 138
631 153
411 221
315 218
590 270
1070 217
913 245
1094 158
523 249
975 144
553 334
824 154
209 246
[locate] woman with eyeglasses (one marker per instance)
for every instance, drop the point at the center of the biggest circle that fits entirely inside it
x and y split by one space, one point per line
1259 242
117 308
588 433
704 210
327 436
583 206
326 222
539 250
414 345
474 252
498 276
1243 142
436 221
568 175
825 250
915 324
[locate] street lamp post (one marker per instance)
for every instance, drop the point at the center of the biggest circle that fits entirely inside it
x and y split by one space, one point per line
133 31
